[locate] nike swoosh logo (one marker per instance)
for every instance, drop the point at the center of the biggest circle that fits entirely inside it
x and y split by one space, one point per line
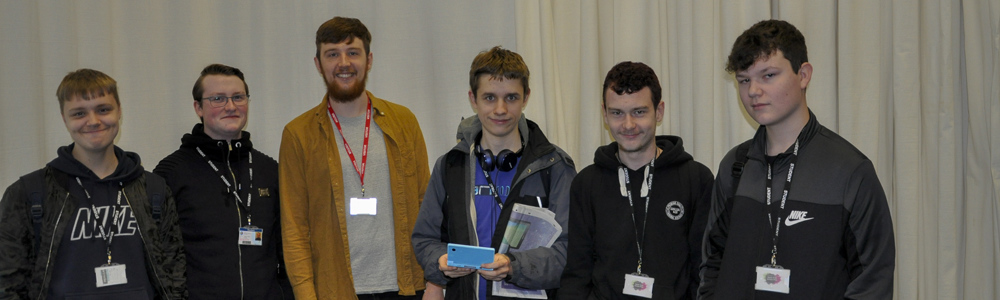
790 222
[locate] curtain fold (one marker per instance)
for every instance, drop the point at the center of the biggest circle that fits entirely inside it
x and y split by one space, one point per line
913 84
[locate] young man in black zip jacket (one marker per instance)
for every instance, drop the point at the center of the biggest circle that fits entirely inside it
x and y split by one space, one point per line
227 197
808 218
501 159
97 235
642 205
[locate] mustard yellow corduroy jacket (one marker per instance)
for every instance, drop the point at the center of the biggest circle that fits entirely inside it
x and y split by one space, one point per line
313 222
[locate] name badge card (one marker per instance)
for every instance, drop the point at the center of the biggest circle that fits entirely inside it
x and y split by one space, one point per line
252 236
363 206
773 279
113 274
638 285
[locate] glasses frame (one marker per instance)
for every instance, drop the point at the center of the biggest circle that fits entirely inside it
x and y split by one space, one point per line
221 101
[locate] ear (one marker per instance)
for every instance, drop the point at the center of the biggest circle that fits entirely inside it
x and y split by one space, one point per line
805 75
604 114
659 111
472 101
319 68
527 93
198 109
370 57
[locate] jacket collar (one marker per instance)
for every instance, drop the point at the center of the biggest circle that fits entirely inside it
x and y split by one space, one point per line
379 109
217 149
757 151
470 128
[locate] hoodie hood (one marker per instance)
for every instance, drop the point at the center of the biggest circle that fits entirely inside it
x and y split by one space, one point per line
129 166
672 146
470 128
216 149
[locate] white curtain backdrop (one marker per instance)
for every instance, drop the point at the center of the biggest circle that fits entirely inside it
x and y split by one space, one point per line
914 84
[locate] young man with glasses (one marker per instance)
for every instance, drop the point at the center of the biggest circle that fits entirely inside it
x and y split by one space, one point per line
92 224
227 196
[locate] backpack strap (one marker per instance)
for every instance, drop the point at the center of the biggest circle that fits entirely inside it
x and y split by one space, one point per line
34 183
742 156
156 194
547 183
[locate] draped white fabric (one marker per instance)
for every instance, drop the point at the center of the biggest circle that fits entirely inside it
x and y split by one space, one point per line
913 84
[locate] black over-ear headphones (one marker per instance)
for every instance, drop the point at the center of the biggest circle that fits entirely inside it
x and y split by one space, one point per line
505 161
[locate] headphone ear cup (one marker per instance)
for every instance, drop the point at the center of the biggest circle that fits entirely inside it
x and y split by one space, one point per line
506 160
486 159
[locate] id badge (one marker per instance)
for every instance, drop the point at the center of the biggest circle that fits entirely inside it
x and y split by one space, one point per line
638 285
113 274
252 236
363 206
773 279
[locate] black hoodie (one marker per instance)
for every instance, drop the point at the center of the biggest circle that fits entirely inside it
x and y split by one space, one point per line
602 237
74 274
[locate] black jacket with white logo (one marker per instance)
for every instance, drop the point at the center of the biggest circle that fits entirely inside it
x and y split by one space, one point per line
835 235
602 235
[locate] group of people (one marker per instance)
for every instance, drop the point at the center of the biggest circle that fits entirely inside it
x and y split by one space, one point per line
644 220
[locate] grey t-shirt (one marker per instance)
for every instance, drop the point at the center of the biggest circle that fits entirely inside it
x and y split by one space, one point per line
371 238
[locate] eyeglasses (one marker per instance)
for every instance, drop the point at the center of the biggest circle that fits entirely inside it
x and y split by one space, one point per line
220 101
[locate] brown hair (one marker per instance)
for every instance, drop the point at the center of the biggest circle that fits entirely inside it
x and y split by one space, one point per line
341 29
498 63
86 83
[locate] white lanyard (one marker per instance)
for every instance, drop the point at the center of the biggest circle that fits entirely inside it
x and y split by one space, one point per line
623 183
234 187
107 234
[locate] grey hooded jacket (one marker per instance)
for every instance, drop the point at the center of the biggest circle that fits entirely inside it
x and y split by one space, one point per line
445 215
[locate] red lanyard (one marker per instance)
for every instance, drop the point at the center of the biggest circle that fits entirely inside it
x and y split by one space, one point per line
364 148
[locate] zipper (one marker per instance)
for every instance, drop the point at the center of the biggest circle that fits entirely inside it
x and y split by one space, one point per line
149 257
48 258
239 215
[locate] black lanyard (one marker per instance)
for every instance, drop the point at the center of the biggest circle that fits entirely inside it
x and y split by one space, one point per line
784 197
624 184
235 186
107 234
493 187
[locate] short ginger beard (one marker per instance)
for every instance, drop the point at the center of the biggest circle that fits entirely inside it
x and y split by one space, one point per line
345 95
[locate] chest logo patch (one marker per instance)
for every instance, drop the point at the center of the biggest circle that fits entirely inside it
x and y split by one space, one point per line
264 192
796 216
675 210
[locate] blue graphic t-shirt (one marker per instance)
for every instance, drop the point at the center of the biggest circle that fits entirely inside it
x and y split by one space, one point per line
487 210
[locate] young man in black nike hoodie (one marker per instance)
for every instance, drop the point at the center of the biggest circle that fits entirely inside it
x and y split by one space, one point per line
807 218
638 213
98 236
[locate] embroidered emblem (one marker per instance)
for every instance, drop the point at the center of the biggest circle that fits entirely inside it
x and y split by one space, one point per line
675 210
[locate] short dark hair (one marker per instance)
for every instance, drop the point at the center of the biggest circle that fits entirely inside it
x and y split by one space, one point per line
763 39
498 63
216 69
341 29
86 83
629 77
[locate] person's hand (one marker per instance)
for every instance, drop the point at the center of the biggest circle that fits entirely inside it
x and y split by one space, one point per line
433 291
453 272
500 266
